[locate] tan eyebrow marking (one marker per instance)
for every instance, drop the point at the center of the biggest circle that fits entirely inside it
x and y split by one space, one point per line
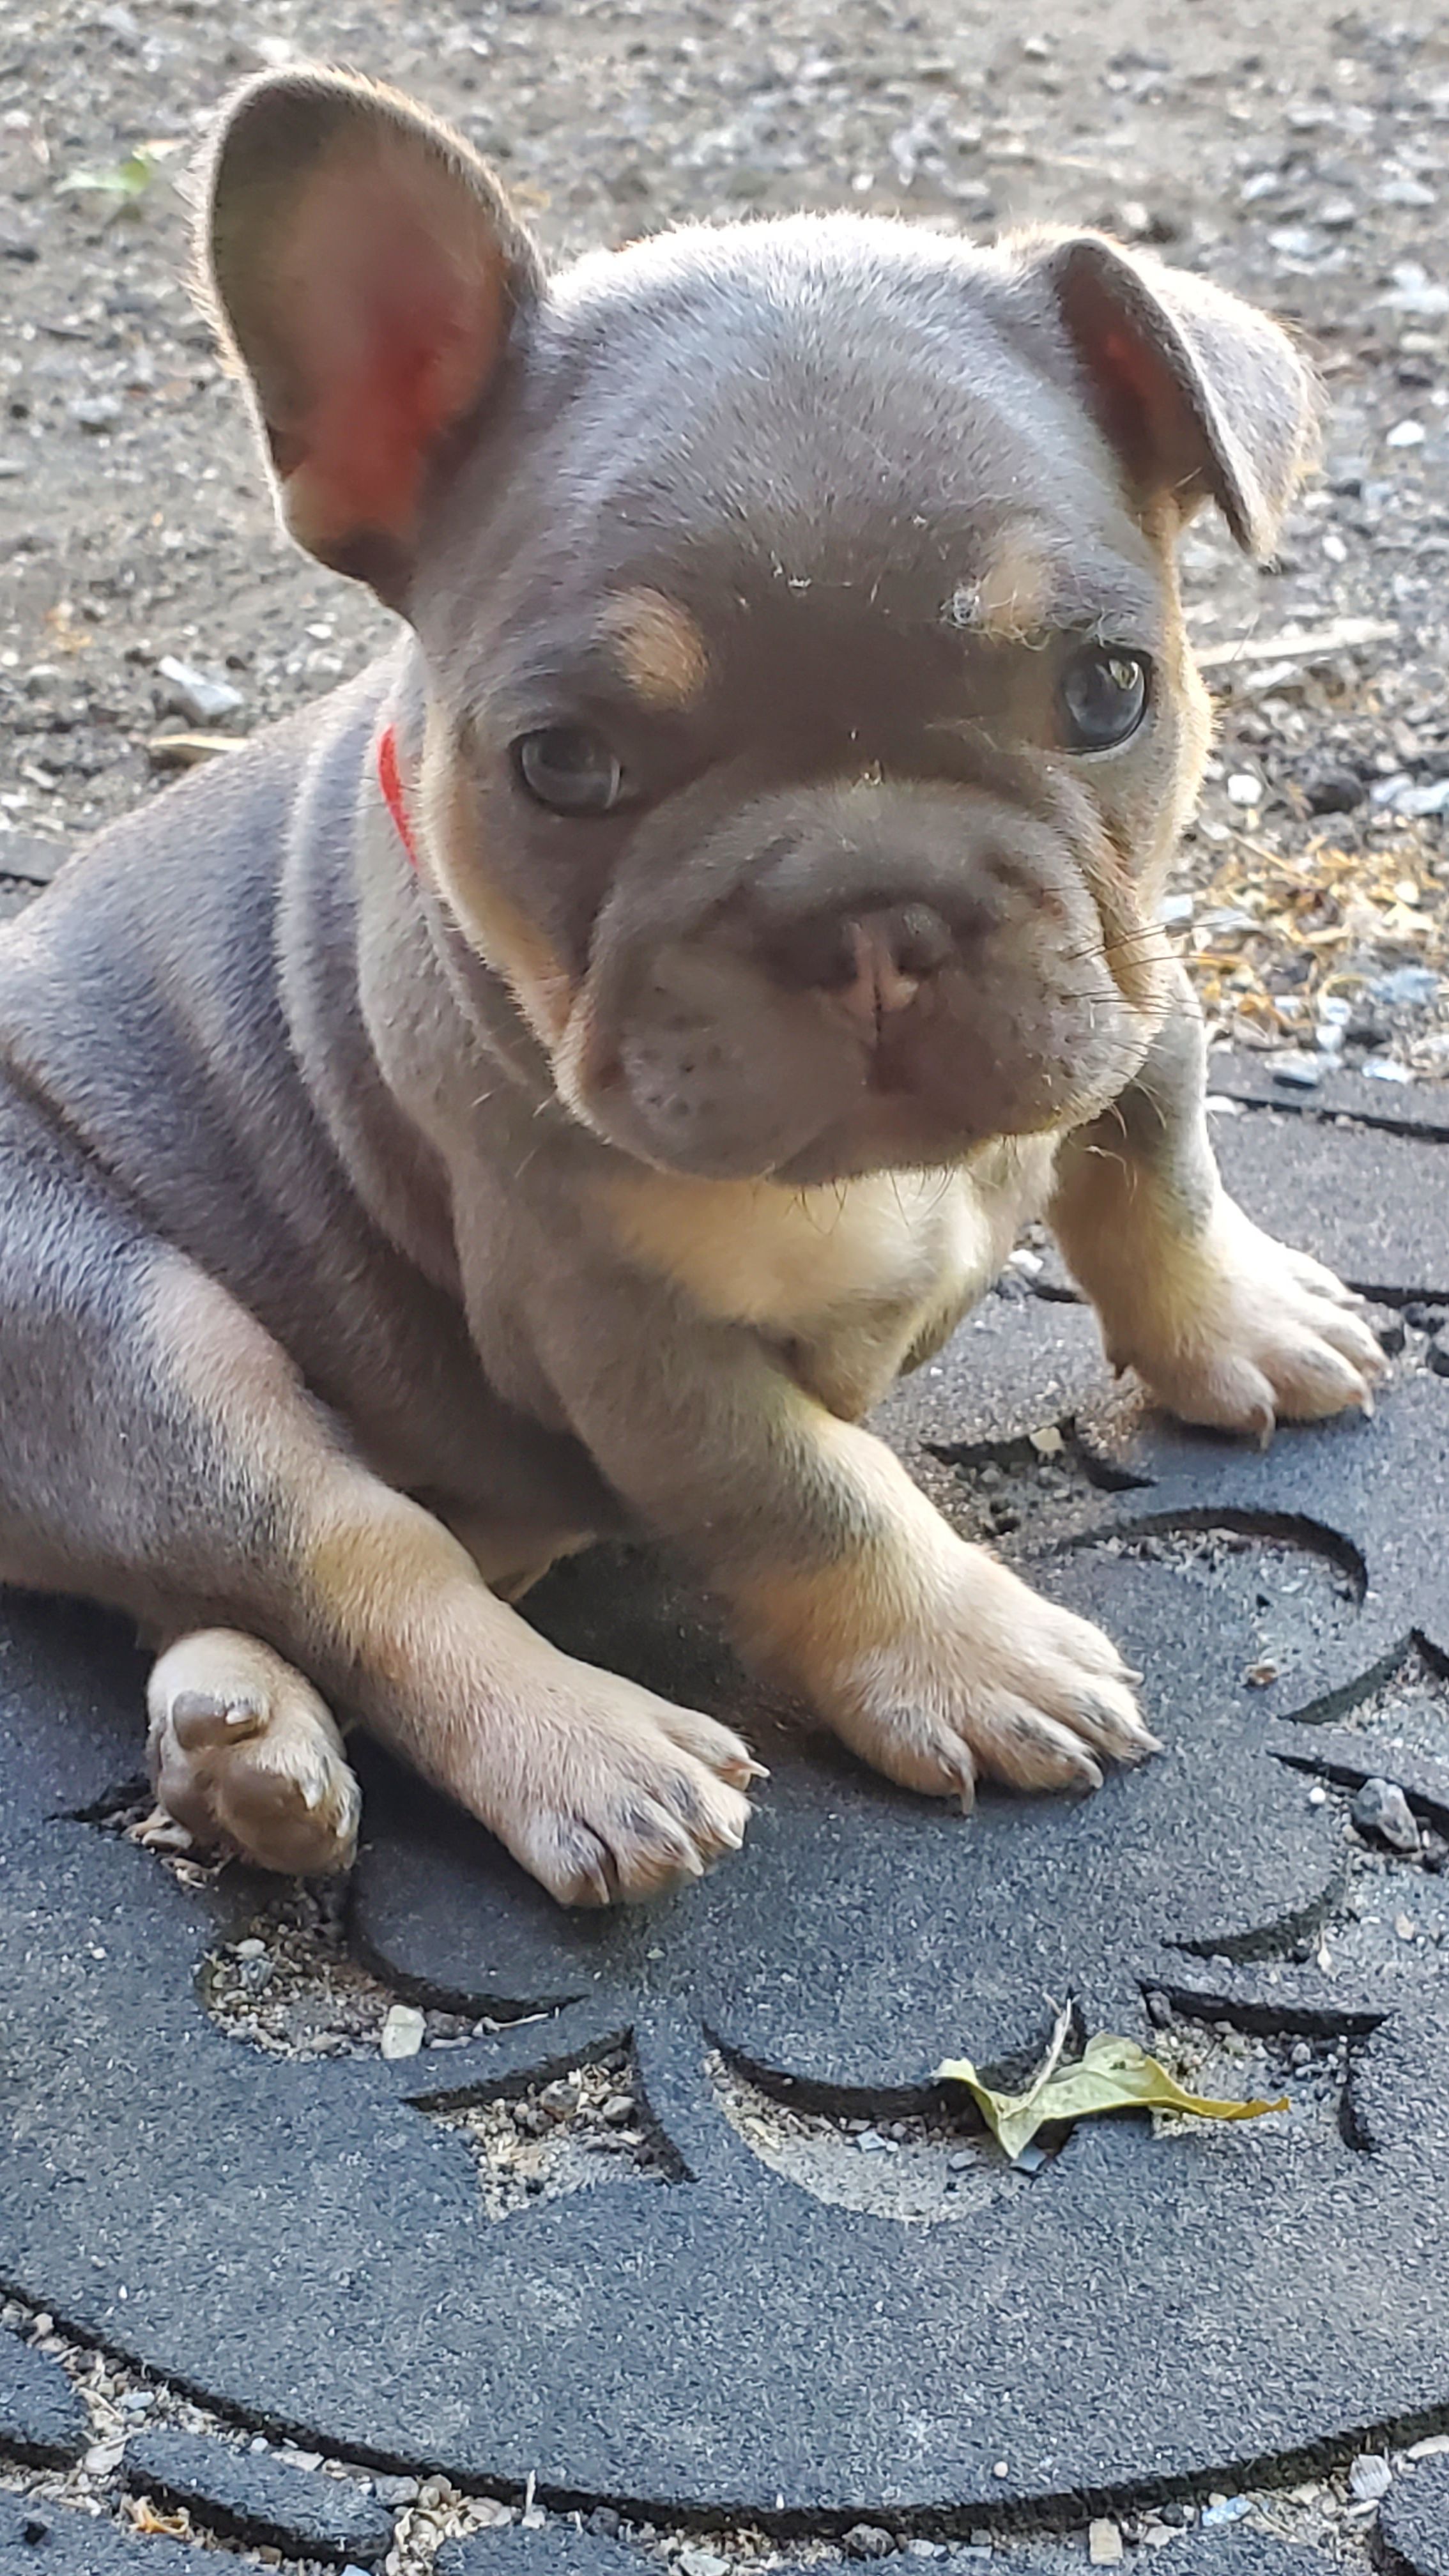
1009 599
659 649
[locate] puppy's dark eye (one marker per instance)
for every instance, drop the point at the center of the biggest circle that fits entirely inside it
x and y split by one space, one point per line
569 770
1103 696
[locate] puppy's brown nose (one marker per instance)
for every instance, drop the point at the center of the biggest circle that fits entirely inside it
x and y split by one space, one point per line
883 960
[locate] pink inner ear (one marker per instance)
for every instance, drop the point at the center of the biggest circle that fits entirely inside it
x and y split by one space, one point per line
399 313
1134 368
1144 396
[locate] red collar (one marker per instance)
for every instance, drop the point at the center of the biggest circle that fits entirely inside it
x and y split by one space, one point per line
389 779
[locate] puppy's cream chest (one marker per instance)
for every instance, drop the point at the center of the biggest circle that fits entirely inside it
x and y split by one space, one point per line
879 1258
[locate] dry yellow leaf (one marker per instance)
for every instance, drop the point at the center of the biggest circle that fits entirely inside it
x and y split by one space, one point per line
1110 2075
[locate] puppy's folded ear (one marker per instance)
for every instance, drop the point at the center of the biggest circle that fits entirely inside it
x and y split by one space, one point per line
366 270
1203 397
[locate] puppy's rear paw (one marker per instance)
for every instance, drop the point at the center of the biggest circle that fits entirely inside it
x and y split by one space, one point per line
245 1755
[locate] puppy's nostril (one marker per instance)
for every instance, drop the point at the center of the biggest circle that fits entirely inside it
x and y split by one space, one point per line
920 940
816 954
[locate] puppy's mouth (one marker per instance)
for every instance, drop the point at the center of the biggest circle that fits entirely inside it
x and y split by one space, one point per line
707 1061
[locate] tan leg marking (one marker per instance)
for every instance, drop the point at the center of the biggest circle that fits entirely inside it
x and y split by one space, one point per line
934 1662
598 1787
1226 1326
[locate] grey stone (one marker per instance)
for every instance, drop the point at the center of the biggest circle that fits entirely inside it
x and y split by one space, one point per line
1381 1808
252 2495
395 2490
1334 791
1297 1072
1414 2521
31 856
198 694
1407 984
95 411
867 2540
41 2417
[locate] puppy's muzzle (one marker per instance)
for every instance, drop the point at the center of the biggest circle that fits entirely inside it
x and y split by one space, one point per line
842 978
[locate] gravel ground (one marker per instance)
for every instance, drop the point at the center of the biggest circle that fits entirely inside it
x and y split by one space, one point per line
1296 159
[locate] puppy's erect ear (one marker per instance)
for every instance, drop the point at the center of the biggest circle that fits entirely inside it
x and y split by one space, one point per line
1202 396
366 270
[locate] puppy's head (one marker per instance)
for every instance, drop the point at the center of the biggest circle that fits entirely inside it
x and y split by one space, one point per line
810 715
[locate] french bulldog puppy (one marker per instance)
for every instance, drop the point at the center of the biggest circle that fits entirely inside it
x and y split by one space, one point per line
550 1088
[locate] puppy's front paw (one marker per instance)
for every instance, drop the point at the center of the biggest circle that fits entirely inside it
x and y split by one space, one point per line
245 1755
619 1796
988 1681
1240 1333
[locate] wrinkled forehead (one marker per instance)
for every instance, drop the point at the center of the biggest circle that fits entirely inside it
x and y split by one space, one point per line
854 431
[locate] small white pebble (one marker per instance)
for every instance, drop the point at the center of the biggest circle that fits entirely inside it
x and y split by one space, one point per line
1369 2477
402 2032
1406 433
1244 788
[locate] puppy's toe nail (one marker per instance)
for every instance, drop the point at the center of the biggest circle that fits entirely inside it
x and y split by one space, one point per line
687 1862
161 1832
199 1718
1111 1724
